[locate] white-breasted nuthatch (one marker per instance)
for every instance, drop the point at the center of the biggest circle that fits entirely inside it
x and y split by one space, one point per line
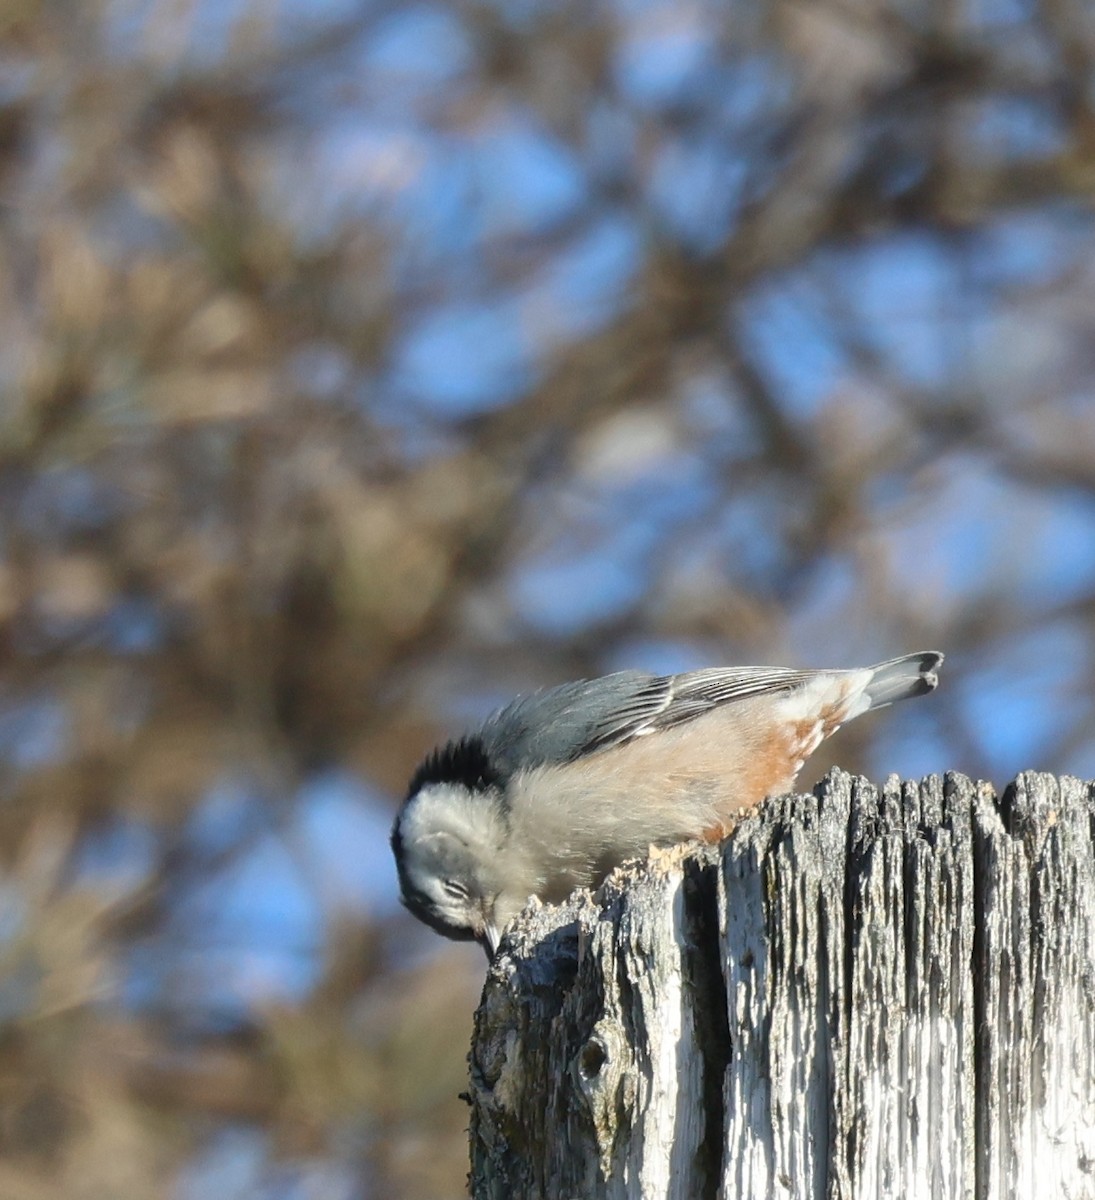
565 784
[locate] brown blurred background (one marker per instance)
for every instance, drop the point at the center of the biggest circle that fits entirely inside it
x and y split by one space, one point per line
364 364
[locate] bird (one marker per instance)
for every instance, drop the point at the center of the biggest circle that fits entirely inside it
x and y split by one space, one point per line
563 785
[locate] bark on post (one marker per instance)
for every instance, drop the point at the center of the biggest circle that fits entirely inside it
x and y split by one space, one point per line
863 993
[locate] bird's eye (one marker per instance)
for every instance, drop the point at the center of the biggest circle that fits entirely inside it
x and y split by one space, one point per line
455 889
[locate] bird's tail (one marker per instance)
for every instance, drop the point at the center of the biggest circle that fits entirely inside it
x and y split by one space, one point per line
901 678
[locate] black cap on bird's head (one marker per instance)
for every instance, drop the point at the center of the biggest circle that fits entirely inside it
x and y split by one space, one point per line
463 762
445 839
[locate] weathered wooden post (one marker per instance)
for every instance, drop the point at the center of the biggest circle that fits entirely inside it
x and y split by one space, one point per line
865 993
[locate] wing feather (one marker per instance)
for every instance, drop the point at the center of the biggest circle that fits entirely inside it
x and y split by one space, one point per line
697 692
564 723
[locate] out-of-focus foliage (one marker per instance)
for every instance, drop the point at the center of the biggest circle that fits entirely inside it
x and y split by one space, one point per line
362 364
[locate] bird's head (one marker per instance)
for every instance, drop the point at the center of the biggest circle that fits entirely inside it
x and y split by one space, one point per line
448 841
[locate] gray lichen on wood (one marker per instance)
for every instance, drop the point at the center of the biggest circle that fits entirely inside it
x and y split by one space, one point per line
862 993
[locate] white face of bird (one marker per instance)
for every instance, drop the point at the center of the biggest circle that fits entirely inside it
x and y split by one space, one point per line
446 839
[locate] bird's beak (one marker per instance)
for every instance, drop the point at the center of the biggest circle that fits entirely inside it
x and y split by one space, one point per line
492 935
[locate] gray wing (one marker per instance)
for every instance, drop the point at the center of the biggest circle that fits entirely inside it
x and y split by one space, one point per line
566 722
